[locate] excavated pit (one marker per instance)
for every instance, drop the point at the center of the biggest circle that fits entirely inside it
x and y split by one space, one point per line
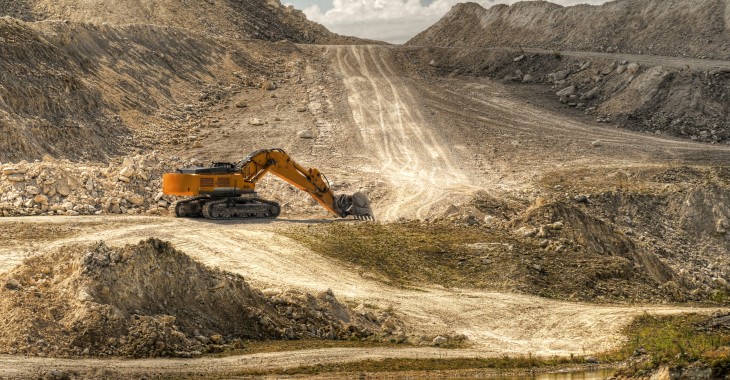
150 300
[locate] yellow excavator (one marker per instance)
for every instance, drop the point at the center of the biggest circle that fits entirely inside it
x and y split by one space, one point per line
227 190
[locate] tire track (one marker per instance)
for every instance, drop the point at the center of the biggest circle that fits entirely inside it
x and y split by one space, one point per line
418 167
526 141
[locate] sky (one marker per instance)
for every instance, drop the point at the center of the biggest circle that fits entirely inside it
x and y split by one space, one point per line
394 21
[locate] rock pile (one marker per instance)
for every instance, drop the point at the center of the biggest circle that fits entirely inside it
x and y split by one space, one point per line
651 99
149 300
60 187
583 82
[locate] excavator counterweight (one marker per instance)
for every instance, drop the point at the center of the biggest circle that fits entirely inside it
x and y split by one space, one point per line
227 191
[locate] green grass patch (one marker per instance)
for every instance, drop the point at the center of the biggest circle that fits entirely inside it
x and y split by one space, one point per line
397 365
415 253
457 255
676 341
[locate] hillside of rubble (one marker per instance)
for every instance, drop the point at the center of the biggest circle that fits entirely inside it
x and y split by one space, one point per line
252 19
680 28
661 96
96 92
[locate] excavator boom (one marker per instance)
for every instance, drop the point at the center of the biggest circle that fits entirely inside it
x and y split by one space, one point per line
227 191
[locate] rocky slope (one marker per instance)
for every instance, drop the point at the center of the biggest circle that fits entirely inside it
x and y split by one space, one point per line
634 234
98 91
668 99
675 28
259 19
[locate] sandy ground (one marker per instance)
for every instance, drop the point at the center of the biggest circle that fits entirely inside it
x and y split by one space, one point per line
405 147
429 143
434 143
495 323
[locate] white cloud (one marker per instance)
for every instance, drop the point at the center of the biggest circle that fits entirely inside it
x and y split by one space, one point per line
393 21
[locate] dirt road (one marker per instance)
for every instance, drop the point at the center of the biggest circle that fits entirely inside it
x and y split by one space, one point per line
14 367
434 143
403 144
495 323
650 60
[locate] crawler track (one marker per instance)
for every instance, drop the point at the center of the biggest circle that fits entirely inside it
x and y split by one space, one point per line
233 208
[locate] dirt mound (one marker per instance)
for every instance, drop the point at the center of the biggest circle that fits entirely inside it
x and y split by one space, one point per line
597 257
258 19
595 237
684 28
678 216
151 300
688 229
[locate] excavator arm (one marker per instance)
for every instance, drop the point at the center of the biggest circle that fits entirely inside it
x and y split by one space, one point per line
277 162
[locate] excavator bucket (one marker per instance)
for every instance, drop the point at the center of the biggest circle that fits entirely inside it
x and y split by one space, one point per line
357 205
361 207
